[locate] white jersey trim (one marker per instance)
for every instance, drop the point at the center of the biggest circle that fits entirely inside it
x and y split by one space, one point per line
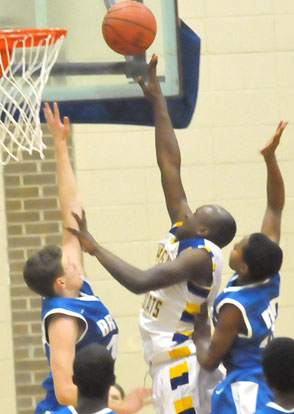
63 312
278 407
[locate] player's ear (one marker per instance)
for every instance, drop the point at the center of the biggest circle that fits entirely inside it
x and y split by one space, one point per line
203 230
244 268
59 284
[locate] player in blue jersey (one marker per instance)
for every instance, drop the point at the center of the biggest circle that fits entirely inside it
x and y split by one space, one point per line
93 374
278 367
245 311
72 316
188 272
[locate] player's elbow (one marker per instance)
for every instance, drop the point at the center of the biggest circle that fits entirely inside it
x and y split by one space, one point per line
65 397
208 363
138 288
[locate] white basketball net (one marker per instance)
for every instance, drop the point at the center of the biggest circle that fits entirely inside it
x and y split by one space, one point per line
21 86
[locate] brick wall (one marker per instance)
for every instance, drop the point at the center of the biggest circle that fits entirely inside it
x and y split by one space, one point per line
33 221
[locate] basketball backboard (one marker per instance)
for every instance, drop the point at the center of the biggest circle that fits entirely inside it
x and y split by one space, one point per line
87 69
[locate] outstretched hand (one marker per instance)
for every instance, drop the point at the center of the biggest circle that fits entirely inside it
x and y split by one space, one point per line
272 144
60 130
152 89
137 399
87 241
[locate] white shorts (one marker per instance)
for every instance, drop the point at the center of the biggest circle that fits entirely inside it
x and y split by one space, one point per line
182 386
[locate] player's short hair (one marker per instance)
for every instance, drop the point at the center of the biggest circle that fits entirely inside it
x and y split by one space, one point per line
278 364
222 227
42 269
93 371
120 390
262 256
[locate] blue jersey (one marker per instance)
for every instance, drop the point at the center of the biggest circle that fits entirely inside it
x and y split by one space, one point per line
244 383
273 408
103 411
98 327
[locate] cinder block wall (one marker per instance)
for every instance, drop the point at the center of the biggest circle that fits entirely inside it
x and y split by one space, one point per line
246 87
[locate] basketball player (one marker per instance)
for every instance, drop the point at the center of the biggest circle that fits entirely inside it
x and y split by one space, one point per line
72 316
116 393
278 367
188 272
245 311
93 374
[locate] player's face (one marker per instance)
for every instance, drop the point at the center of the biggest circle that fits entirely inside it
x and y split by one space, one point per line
71 275
236 257
193 222
114 394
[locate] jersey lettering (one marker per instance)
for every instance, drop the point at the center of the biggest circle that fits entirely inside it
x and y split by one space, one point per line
106 325
269 316
162 255
151 305
112 345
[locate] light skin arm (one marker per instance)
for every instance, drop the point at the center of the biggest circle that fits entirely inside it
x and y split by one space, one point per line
211 350
67 186
133 401
63 333
194 264
271 225
167 148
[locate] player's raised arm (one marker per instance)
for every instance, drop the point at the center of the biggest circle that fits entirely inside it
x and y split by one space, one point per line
271 225
167 148
67 186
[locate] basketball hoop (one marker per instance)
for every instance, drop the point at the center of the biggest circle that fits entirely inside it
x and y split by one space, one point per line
26 59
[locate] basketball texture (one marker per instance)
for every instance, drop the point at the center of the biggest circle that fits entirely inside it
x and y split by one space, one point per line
129 28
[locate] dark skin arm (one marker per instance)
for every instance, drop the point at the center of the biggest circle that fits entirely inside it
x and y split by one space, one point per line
194 265
271 225
211 351
167 148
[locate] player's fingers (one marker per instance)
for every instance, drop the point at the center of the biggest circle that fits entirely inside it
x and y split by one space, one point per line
72 231
47 111
76 217
66 121
56 110
141 83
153 65
84 217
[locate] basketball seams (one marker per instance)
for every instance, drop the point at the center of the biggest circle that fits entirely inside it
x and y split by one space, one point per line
122 38
128 21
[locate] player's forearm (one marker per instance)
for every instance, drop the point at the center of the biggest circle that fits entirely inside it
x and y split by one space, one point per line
127 275
67 394
167 148
275 185
67 186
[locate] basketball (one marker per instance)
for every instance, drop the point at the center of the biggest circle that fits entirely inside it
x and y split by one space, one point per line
129 28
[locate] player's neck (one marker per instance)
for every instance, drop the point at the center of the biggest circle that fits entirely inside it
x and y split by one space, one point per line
285 400
90 405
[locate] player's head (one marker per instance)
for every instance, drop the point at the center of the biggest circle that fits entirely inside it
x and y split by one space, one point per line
116 393
93 372
257 256
211 222
42 269
278 364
